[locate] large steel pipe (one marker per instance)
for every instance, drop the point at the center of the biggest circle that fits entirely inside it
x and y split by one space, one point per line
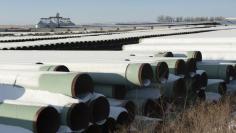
217 71
189 54
36 67
127 104
99 107
120 115
35 118
70 84
216 86
203 77
111 91
109 126
146 100
174 88
139 74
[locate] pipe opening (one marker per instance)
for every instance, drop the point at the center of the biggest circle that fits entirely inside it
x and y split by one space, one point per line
123 119
62 68
47 120
82 85
100 109
180 67
204 79
131 108
191 65
145 74
201 95
93 129
197 55
222 88
109 126
229 73
179 88
162 71
78 116
149 108
168 54
119 91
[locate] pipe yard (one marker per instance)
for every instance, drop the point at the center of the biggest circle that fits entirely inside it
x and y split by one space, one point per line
104 82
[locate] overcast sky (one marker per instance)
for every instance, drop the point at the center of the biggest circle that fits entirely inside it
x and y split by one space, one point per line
108 11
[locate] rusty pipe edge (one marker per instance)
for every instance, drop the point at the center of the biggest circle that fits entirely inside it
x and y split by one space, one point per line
78 116
99 108
162 71
145 74
139 74
47 120
180 67
82 84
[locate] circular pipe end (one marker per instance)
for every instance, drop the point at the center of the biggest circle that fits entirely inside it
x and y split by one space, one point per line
179 88
149 108
109 126
47 120
131 108
145 74
229 73
191 65
123 119
78 116
61 68
204 79
82 85
222 88
197 55
162 71
100 109
180 67
168 54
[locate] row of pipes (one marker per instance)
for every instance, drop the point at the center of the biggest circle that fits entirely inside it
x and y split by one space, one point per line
108 89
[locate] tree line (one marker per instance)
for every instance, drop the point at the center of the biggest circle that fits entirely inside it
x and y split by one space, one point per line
169 19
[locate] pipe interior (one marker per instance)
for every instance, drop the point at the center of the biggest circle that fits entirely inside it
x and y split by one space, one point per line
146 74
162 71
62 68
123 119
198 55
229 73
131 108
47 120
149 108
79 116
100 108
191 65
83 85
204 79
180 67
179 88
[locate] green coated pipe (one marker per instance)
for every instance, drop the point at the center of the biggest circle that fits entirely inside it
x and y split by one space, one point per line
216 86
35 67
217 71
35 118
70 84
